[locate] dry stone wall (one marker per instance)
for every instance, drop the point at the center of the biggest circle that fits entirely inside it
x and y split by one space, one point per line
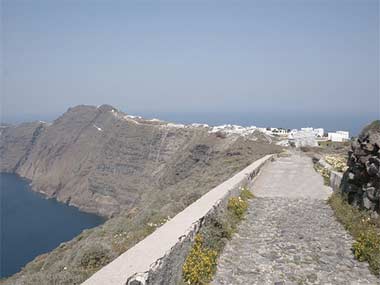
361 182
335 180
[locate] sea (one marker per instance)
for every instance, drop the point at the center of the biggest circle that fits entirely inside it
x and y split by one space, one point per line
31 225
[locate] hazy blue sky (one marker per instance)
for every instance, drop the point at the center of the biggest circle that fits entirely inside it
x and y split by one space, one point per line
264 58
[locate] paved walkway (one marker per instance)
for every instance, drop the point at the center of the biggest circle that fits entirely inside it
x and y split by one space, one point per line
290 235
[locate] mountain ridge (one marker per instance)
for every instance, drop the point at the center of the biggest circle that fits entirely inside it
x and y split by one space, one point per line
136 172
91 156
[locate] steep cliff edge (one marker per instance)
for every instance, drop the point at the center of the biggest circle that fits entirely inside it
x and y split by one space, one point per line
103 161
16 143
138 172
361 182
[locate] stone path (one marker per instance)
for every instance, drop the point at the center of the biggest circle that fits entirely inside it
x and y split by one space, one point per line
290 235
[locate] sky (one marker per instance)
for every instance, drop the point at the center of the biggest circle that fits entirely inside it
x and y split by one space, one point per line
270 62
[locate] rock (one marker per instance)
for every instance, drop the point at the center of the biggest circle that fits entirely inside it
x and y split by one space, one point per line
367 203
372 194
138 279
372 169
361 182
368 147
374 215
312 277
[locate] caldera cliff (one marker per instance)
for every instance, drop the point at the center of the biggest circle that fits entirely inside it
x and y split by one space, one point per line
135 171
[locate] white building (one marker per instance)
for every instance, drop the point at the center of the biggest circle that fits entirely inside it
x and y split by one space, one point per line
302 138
282 131
319 132
279 131
345 134
262 129
339 136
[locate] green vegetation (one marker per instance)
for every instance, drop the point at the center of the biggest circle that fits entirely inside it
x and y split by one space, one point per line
237 206
200 265
365 230
94 258
246 194
333 145
338 163
324 172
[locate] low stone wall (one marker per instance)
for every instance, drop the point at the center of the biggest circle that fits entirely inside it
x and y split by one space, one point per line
335 180
324 164
158 258
335 176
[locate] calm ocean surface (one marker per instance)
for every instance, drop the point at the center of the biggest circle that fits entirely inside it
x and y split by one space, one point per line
32 225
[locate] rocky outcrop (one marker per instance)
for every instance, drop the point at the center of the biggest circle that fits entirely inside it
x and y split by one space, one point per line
361 182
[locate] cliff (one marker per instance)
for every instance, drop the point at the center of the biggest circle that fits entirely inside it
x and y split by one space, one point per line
103 161
138 172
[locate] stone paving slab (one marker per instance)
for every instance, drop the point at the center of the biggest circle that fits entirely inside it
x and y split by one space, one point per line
290 234
291 177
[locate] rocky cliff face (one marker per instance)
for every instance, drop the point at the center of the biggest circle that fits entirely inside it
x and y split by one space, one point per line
361 182
103 161
138 172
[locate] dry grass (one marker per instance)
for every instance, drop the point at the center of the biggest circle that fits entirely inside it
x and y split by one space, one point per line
365 231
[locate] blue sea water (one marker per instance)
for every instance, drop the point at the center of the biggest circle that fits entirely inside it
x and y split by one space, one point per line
31 225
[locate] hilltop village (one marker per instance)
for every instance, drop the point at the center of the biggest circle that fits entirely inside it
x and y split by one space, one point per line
307 136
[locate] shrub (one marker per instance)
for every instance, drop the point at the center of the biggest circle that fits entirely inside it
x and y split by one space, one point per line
337 162
324 172
200 264
95 257
246 194
365 231
217 231
367 248
237 206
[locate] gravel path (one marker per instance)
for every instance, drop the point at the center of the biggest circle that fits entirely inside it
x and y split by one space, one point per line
290 235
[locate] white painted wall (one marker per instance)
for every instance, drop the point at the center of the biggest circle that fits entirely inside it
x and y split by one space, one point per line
319 132
345 134
339 136
302 138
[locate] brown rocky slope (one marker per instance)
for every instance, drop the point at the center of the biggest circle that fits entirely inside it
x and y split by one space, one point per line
102 161
136 171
